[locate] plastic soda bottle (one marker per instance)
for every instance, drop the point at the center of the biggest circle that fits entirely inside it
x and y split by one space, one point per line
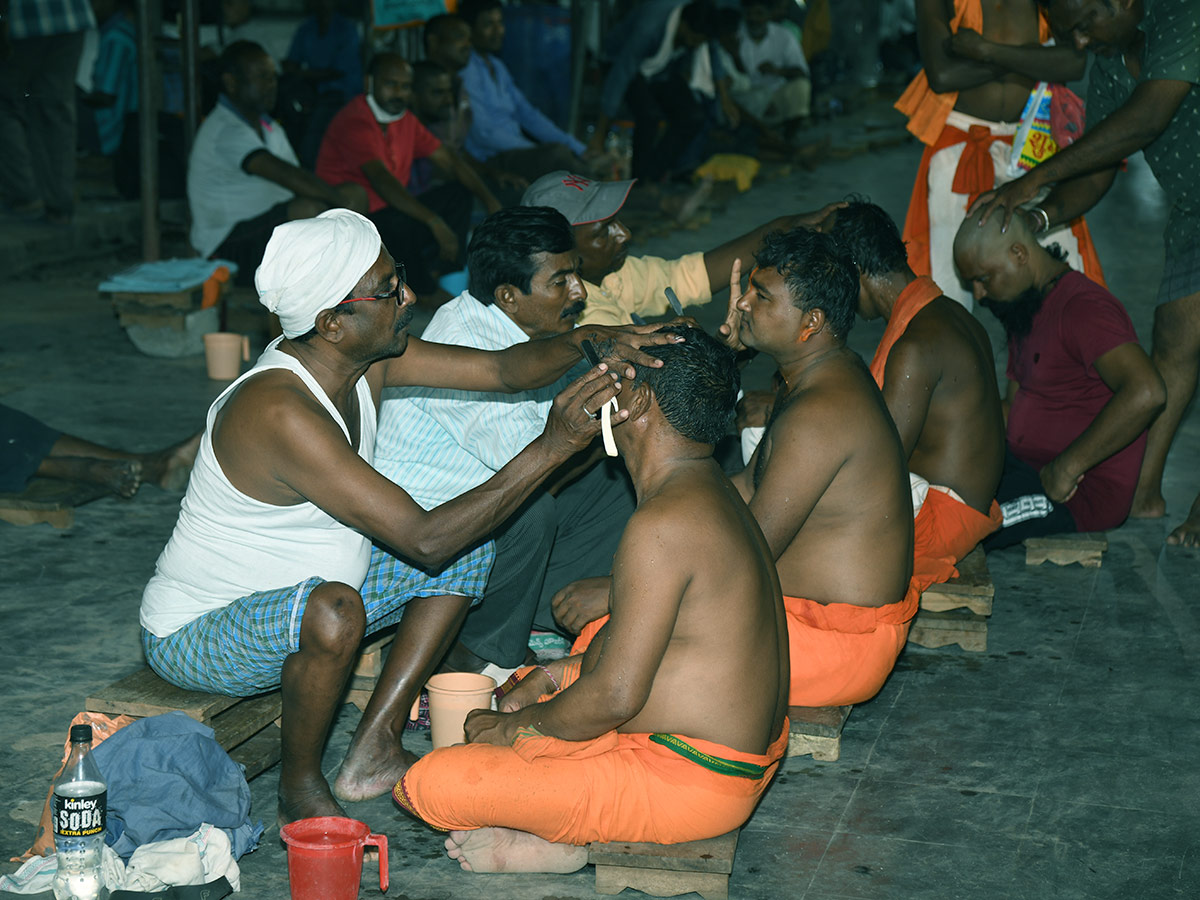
79 809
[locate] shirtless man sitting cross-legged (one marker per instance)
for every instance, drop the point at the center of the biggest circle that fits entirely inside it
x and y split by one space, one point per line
938 377
828 483
671 723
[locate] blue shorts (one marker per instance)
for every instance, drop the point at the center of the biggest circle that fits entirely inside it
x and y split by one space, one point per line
239 649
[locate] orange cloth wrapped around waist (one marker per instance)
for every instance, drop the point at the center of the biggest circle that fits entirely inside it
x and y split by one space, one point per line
946 530
661 788
841 653
914 298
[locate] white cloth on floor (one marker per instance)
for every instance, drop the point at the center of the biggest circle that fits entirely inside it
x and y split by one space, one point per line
920 490
37 874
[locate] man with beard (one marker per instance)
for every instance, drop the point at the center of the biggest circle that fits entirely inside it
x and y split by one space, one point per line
269 578
524 285
1142 95
1081 391
243 176
373 142
934 365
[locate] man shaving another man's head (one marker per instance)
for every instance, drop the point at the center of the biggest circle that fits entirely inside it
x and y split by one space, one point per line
270 578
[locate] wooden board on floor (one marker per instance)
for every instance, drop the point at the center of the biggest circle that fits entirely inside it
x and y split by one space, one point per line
665 870
49 500
973 588
245 727
938 629
817 730
1086 548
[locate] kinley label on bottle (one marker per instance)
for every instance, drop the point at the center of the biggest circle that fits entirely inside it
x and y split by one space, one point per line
79 816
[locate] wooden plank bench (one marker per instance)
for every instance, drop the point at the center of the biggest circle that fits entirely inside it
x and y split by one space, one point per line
665 870
49 500
957 611
1086 548
246 727
817 730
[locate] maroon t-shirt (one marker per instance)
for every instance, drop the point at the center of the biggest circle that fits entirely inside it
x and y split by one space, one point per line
354 137
1060 394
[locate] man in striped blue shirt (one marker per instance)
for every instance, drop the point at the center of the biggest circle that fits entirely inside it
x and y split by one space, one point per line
437 444
40 45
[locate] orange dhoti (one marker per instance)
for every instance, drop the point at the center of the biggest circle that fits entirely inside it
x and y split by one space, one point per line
842 654
946 530
661 788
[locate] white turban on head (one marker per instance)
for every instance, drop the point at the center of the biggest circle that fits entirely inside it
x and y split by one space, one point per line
312 264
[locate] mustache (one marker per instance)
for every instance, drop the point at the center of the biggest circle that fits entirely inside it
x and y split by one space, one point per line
405 319
573 310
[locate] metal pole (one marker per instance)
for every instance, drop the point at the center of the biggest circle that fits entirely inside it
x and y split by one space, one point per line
578 55
188 42
148 125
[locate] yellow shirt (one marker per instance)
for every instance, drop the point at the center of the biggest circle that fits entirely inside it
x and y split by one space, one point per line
637 287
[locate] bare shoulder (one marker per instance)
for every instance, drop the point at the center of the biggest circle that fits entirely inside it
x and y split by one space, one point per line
829 400
675 518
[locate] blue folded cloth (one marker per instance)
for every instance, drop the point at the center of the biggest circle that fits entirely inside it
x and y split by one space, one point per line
166 276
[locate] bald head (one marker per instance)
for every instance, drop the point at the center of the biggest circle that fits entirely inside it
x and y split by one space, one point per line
988 239
390 82
999 265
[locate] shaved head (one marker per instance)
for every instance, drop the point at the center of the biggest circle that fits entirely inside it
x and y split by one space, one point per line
987 241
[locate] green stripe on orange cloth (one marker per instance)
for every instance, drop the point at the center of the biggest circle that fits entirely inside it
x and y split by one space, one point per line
712 763
914 298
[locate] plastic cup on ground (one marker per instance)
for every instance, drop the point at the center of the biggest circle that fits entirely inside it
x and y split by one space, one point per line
325 857
224 353
451 696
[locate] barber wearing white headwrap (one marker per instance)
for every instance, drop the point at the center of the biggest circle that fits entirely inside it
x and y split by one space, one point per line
311 265
269 579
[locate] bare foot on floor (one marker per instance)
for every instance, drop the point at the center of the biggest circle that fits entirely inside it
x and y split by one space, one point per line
1187 534
307 803
1148 507
170 467
122 476
506 850
371 772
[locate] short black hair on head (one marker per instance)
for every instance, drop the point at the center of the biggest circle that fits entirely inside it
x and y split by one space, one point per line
234 57
870 236
503 246
380 59
700 17
424 69
818 272
726 20
438 26
697 387
470 10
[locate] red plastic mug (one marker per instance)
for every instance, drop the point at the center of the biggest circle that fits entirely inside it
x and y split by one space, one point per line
325 857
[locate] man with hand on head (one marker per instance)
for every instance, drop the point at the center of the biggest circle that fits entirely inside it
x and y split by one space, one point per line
270 579
620 286
1081 391
524 286
1142 95
373 142
649 732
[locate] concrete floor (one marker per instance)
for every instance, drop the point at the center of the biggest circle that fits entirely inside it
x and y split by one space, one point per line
1060 763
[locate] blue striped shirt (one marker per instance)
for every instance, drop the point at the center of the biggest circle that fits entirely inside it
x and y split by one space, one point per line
41 18
436 443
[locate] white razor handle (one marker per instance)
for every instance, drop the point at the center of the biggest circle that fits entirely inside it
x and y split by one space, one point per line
610 446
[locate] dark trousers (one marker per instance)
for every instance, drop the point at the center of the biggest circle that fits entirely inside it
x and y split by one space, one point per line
37 122
412 243
551 542
651 102
1028 512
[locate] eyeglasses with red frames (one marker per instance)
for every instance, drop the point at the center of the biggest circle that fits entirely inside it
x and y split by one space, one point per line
395 293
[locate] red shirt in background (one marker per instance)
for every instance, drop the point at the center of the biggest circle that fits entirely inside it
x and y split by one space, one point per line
1060 394
354 137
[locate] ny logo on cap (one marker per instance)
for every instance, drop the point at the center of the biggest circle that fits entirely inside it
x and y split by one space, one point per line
576 182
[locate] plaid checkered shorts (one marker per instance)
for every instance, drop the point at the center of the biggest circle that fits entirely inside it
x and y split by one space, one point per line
239 649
